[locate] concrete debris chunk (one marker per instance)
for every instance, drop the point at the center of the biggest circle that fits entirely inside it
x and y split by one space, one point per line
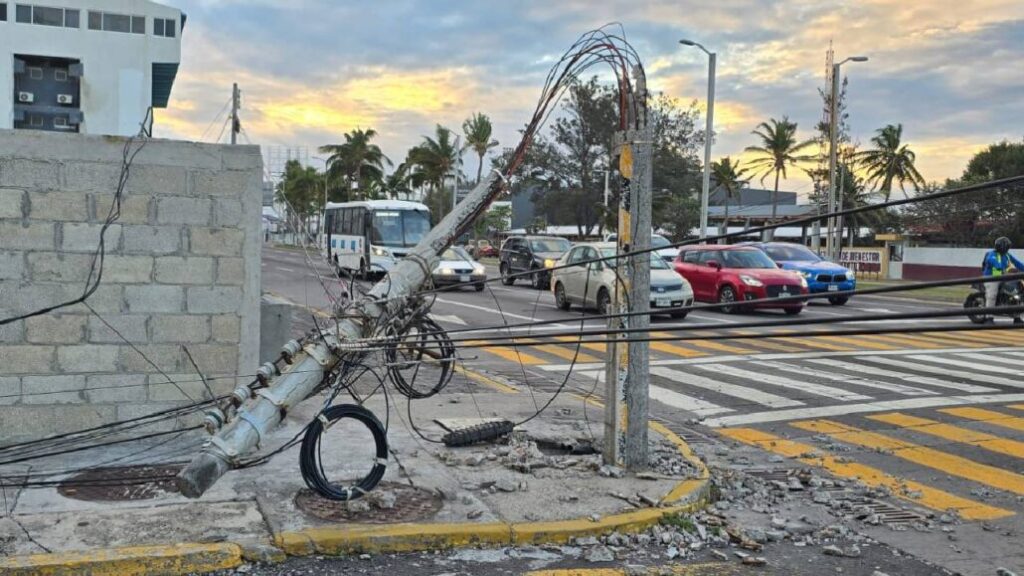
600 554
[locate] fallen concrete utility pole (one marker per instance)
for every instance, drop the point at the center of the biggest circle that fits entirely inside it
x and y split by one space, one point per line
259 415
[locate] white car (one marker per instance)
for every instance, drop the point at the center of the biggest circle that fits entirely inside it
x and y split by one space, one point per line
664 247
591 285
458 267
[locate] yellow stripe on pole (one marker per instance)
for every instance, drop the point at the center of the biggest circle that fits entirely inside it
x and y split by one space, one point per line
915 492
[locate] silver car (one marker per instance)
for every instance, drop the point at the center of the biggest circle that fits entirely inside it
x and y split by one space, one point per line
592 285
457 267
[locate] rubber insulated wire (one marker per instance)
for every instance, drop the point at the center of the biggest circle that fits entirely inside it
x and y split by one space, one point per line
309 456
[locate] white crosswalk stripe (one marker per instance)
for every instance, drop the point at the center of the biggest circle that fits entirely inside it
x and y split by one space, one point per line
944 371
992 358
807 387
847 379
743 392
701 408
916 379
961 363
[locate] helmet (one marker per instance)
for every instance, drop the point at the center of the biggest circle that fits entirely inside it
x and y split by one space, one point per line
1003 245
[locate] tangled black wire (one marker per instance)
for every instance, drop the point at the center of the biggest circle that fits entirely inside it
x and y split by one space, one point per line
406 352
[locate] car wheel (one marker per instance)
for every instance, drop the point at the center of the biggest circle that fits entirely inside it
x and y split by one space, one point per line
838 300
727 296
479 286
604 302
537 280
678 315
793 311
975 301
560 299
506 277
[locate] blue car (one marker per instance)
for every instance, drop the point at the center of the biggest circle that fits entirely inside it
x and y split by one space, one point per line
822 275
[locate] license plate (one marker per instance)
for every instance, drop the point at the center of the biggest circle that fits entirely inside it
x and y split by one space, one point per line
464 278
833 288
662 302
783 294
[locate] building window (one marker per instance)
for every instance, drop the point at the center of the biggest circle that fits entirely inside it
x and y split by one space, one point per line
35 73
3 12
36 121
164 27
111 22
43 15
60 75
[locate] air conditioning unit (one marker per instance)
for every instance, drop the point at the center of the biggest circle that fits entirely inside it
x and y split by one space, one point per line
26 97
65 99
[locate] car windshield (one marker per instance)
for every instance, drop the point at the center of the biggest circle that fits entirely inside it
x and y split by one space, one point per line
455 253
658 241
402 228
791 252
746 259
657 262
549 245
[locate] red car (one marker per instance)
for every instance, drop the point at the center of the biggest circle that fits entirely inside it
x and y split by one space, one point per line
727 274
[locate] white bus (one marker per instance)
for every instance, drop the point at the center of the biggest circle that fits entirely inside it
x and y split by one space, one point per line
371 235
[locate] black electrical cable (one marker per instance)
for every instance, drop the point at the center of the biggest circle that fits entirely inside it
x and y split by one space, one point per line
412 347
310 462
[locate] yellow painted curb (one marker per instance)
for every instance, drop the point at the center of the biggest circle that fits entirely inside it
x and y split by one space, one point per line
687 496
128 561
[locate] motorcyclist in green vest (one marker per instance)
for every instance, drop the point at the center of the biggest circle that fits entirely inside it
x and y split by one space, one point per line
997 262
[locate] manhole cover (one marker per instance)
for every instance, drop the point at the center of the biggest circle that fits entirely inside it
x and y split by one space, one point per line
123 483
388 503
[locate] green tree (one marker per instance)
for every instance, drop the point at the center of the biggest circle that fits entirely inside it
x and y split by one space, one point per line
728 177
400 182
434 160
779 149
357 162
890 160
478 129
301 189
998 161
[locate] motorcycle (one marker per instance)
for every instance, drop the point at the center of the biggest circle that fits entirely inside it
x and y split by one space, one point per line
1010 294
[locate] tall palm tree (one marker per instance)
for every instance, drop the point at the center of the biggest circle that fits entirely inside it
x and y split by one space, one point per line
890 160
434 159
477 129
779 150
357 158
729 177
399 182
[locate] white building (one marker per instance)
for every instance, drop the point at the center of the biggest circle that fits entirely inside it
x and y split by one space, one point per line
90 66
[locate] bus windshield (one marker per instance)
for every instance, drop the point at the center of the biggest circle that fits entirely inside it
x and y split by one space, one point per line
402 228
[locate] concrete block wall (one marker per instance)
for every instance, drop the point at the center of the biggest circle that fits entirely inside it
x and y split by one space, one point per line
181 269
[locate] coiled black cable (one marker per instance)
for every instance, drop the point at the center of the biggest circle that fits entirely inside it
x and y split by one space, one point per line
418 339
310 462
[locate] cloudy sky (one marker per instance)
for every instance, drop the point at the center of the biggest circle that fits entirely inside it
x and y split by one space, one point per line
310 70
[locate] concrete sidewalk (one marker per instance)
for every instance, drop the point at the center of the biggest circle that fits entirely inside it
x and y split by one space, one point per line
538 487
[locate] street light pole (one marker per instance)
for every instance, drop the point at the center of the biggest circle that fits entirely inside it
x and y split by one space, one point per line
708 137
323 213
833 251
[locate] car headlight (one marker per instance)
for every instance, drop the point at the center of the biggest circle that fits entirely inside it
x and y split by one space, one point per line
549 263
807 275
750 280
479 269
803 281
850 275
447 271
378 251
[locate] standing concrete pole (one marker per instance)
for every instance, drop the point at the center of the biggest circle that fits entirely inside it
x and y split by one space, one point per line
708 138
638 382
258 417
833 136
236 126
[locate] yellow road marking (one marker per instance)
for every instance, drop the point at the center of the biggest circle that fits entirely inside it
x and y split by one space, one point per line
590 346
720 347
473 375
563 353
902 488
963 339
858 342
929 457
703 569
509 353
989 442
761 343
913 341
672 348
808 342
987 416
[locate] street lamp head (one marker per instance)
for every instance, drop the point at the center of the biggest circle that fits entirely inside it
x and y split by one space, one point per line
686 42
858 58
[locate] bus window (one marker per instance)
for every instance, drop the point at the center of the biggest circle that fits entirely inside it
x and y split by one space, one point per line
399 227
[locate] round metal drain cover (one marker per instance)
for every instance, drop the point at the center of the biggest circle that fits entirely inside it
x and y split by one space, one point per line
388 503
123 483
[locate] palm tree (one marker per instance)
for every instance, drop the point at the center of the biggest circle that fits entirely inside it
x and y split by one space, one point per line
477 129
356 159
399 182
729 178
778 151
890 161
434 159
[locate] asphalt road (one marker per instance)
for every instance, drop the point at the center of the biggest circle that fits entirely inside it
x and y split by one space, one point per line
934 417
